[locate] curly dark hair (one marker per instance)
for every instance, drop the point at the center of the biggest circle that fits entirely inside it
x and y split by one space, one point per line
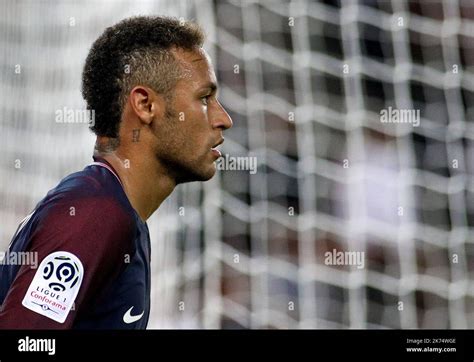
135 51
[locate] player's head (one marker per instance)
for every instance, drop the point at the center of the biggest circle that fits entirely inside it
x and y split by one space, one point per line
153 89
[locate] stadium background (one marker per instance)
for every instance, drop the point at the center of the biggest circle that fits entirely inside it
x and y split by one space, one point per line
304 82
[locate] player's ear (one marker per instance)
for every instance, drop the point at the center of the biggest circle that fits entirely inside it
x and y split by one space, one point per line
146 103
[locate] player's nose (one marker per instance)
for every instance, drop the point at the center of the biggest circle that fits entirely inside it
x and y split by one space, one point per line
221 119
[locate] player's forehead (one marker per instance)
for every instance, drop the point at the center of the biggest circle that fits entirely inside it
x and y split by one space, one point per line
197 66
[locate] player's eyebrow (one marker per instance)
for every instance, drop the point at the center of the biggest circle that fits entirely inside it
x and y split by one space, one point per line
211 86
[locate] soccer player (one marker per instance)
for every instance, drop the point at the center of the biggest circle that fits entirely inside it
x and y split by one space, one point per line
158 123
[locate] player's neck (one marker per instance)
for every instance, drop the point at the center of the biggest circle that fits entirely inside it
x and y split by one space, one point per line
145 186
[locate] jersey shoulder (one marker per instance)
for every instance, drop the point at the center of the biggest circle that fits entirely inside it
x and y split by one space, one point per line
91 203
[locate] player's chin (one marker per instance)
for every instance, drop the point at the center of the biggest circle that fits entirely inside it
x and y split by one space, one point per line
208 171
202 171
208 167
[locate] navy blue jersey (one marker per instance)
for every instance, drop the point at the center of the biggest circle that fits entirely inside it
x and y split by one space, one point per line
94 259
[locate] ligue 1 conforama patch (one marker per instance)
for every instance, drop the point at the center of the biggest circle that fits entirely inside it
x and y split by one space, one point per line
55 286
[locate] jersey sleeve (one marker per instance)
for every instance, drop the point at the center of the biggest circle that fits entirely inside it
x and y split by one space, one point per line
82 246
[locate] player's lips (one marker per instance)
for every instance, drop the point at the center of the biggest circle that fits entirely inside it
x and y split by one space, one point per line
215 151
219 142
